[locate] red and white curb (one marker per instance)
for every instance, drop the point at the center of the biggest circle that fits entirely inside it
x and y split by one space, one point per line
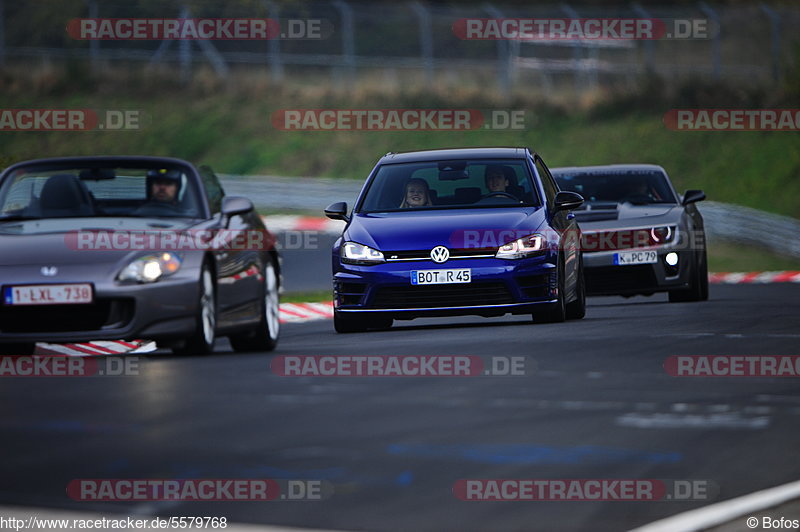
299 312
283 223
754 277
100 347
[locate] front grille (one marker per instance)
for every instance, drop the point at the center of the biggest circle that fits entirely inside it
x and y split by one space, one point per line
615 240
440 296
620 278
103 313
425 254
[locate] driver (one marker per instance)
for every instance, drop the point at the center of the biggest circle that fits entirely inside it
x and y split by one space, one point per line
163 186
496 180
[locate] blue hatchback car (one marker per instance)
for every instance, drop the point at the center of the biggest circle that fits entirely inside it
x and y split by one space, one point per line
475 231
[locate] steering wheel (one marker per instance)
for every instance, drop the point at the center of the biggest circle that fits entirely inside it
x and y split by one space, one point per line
498 194
638 199
157 209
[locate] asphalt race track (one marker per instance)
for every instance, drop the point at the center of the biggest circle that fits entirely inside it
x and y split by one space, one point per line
595 402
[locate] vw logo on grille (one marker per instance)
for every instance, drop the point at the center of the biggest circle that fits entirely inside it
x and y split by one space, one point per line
440 254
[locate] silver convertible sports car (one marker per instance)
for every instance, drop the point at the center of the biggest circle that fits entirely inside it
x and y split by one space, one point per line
123 248
639 235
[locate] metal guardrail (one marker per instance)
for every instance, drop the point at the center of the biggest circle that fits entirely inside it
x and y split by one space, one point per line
724 221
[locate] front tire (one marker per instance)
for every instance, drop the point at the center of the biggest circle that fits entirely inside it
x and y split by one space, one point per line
265 336
202 341
577 309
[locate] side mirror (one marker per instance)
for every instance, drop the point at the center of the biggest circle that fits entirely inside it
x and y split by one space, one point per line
337 211
233 205
566 201
691 196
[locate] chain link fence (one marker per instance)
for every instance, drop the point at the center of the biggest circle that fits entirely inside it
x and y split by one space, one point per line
415 43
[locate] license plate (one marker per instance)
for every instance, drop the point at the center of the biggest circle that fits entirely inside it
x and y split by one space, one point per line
635 257
48 294
441 276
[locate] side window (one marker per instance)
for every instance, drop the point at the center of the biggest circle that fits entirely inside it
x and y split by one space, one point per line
549 185
213 188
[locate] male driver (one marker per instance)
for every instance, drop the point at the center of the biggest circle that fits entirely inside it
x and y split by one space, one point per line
163 186
496 180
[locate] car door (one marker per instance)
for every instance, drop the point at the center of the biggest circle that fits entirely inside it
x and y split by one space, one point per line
238 268
564 223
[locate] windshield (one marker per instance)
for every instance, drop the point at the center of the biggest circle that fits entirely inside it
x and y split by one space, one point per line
68 192
450 184
638 187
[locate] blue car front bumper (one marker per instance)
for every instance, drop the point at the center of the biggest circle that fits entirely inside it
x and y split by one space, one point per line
497 287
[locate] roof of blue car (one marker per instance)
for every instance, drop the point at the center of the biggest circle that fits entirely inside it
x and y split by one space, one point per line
453 153
608 169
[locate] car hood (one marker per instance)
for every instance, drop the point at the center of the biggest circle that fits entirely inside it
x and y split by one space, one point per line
623 215
48 242
417 230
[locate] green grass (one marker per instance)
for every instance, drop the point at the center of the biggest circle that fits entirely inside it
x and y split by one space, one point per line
307 297
726 257
233 133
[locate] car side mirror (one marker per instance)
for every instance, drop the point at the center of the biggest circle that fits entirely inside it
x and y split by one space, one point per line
337 211
566 201
233 205
691 196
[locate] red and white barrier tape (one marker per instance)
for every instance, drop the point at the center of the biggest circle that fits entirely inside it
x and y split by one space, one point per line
282 223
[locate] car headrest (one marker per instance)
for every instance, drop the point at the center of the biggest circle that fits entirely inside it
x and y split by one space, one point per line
64 192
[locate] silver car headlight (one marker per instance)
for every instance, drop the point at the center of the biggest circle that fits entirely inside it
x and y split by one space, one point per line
522 247
354 253
151 268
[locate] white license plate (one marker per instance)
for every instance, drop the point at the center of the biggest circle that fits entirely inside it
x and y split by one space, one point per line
441 276
635 257
48 294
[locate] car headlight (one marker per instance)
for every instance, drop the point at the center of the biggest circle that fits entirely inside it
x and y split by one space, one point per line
522 247
353 253
151 268
663 234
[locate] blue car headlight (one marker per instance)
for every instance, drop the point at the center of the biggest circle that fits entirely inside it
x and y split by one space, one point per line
151 268
354 253
522 247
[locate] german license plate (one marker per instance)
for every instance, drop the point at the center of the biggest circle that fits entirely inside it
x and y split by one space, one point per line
48 294
441 276
635 257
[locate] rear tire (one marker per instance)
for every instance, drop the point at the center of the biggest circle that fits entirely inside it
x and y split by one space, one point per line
698 290
202 341
554 312
264 337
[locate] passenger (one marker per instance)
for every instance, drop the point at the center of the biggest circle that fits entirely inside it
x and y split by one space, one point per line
417 194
